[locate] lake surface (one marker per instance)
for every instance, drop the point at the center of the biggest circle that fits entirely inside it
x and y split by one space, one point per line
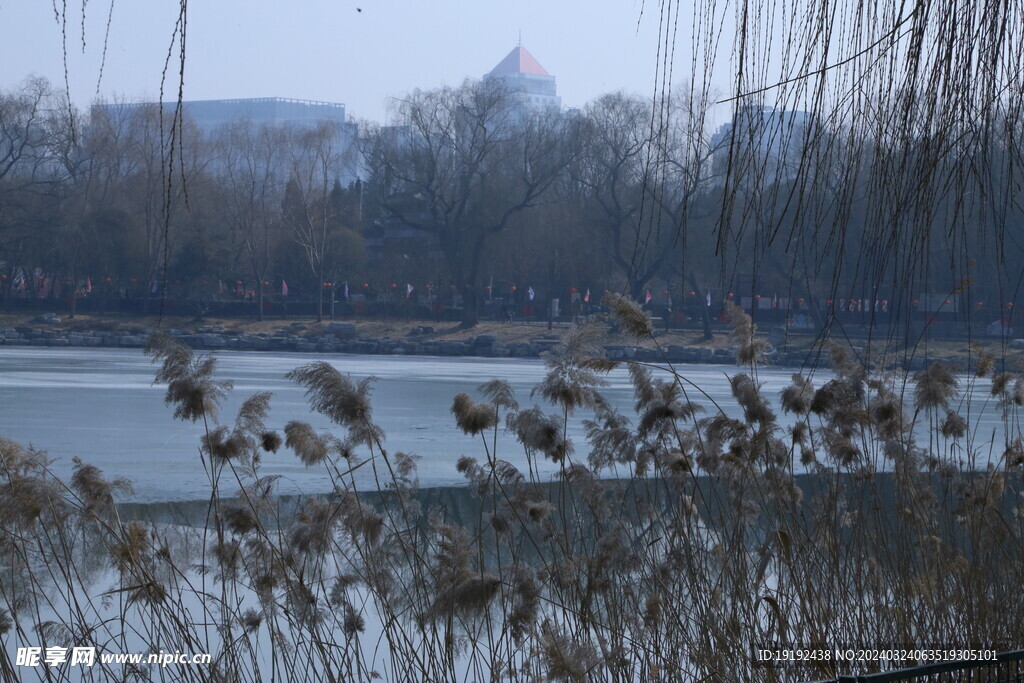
101 405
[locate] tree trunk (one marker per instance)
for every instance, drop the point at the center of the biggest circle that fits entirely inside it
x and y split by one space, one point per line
259 300
320 295
812 305
74 295
705 314
470 314
636 291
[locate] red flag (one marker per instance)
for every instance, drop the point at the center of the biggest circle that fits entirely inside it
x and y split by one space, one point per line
586 297
88 285
284 288
649 297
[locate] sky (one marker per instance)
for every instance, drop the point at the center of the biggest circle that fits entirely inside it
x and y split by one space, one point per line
358 52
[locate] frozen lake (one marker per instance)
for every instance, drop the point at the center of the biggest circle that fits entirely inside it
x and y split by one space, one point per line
101 405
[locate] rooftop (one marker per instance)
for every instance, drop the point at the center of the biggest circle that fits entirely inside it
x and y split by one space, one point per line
518 61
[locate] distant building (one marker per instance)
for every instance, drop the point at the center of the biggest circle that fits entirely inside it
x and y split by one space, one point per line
764 140
276 112
209 115
533 86
268 111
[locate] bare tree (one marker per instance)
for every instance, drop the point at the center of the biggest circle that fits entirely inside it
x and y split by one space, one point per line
459 164
251 172
314 202
29 170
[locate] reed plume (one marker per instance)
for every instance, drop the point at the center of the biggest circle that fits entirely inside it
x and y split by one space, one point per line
191 387
628 314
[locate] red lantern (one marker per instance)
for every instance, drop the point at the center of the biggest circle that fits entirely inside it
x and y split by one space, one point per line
366 285
913 302
799 301
238 282
666 292
946 303
394 286
451 287
134 281
3 277
828 302
513 288
757 296
979 304
1009 305
266 284
693 293
572 290
108 280
729 296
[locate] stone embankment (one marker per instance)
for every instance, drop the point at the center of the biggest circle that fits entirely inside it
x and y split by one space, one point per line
342 337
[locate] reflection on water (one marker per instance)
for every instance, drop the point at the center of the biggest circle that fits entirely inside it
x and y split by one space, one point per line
101 405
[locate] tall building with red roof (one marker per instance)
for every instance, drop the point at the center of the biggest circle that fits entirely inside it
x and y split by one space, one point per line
523 75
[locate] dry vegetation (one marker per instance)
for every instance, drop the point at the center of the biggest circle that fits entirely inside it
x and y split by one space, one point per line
672 542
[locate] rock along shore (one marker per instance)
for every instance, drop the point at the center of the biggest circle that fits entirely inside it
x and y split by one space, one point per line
343 338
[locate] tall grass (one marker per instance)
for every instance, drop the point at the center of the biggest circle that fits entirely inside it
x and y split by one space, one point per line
669 546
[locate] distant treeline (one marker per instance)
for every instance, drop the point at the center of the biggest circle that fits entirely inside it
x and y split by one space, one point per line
471 196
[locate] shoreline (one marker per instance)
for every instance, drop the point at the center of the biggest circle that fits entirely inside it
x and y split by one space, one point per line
495 340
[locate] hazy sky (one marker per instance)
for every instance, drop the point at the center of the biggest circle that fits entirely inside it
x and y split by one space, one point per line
329 50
